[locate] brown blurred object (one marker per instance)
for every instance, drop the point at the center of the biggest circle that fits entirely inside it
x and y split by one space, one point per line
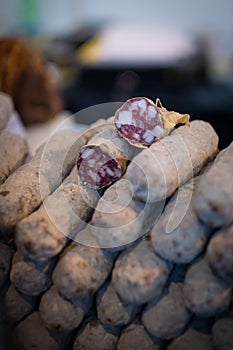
25 77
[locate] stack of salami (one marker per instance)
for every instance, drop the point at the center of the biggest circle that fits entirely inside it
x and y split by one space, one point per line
118 238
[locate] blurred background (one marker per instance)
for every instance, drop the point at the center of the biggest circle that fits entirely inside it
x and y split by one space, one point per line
107 51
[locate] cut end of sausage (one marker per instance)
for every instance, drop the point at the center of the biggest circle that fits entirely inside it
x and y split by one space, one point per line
139 121
96 168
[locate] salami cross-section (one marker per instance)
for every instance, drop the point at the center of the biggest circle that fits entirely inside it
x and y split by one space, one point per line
141 121
104 159
97 168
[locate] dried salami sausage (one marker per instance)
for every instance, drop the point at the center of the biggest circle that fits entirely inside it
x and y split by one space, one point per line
96 168
141 121
104 159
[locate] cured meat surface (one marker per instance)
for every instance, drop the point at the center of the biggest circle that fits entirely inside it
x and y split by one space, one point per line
139 121
104 159
96 168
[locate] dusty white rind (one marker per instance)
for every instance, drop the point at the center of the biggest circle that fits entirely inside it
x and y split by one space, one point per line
59 314
134 336
215 207
44 233
169 163
32 334
82 270
13 153
31 183
179 236
96 336
30 277
18 305
170 314
219 254
192 339
139 275
204 293
25 189
111 310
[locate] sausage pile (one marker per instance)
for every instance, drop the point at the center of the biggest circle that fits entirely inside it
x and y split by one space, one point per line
138 259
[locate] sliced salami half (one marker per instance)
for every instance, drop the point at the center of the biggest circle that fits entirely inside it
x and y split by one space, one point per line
139 121
96 168
142 122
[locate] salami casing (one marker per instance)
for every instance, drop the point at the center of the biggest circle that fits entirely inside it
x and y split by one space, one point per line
215 207
159 170
13 153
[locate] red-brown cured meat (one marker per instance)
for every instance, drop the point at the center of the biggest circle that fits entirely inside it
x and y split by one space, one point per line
139 121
